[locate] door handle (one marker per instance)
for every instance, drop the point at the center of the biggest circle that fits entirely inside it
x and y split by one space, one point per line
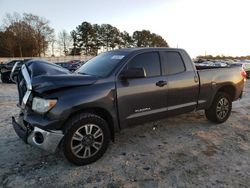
161 83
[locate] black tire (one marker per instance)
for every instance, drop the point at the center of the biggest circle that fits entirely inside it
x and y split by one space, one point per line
76 136
5 78
219 112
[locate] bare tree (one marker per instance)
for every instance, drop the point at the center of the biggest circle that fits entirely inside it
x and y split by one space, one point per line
64 40
7 44
24 35
43 31
52 41
12 23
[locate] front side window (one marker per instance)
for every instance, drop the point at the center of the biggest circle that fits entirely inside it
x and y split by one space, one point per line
149 61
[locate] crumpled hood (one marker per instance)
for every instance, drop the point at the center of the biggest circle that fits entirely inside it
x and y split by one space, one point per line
48 76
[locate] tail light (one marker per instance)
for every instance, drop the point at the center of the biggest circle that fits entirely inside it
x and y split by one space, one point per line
244 74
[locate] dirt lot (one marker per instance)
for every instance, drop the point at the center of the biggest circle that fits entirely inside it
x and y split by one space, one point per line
184 151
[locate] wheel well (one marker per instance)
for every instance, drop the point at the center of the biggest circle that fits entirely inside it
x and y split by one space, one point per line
229 89
103 114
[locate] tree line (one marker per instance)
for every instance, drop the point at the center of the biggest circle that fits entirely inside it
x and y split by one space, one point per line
89 38
222 57
30 35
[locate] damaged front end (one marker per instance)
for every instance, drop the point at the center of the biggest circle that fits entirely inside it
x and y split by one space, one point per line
24 126
40 86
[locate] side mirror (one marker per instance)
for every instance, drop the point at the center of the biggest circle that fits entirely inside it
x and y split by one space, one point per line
133 73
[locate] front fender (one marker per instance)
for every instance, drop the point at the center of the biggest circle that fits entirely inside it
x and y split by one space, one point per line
77 99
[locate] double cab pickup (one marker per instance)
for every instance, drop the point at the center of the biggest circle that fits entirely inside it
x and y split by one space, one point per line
82 111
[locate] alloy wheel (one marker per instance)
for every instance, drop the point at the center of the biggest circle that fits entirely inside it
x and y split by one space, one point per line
87 141
222 108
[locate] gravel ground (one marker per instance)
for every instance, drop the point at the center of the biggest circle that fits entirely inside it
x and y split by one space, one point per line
184 151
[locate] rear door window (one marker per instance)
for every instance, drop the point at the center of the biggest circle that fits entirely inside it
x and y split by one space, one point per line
173 63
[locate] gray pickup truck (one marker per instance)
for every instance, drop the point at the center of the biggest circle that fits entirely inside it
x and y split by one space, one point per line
81 112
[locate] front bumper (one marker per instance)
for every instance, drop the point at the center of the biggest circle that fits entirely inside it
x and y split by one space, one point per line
45 139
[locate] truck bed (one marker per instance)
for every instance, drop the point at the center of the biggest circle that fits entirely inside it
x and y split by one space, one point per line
213 78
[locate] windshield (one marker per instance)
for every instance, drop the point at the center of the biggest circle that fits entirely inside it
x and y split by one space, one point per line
102 65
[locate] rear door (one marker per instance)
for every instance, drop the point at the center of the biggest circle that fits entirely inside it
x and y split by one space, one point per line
142 99
183 83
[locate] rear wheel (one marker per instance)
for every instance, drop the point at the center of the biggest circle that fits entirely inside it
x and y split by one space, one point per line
86 139
220 109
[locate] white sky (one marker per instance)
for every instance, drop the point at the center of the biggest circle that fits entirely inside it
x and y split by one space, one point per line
213 26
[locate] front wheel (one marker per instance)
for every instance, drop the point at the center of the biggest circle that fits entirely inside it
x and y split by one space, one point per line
86 139
220 109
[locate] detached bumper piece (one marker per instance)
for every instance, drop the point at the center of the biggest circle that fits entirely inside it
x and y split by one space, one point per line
21 130
46 140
